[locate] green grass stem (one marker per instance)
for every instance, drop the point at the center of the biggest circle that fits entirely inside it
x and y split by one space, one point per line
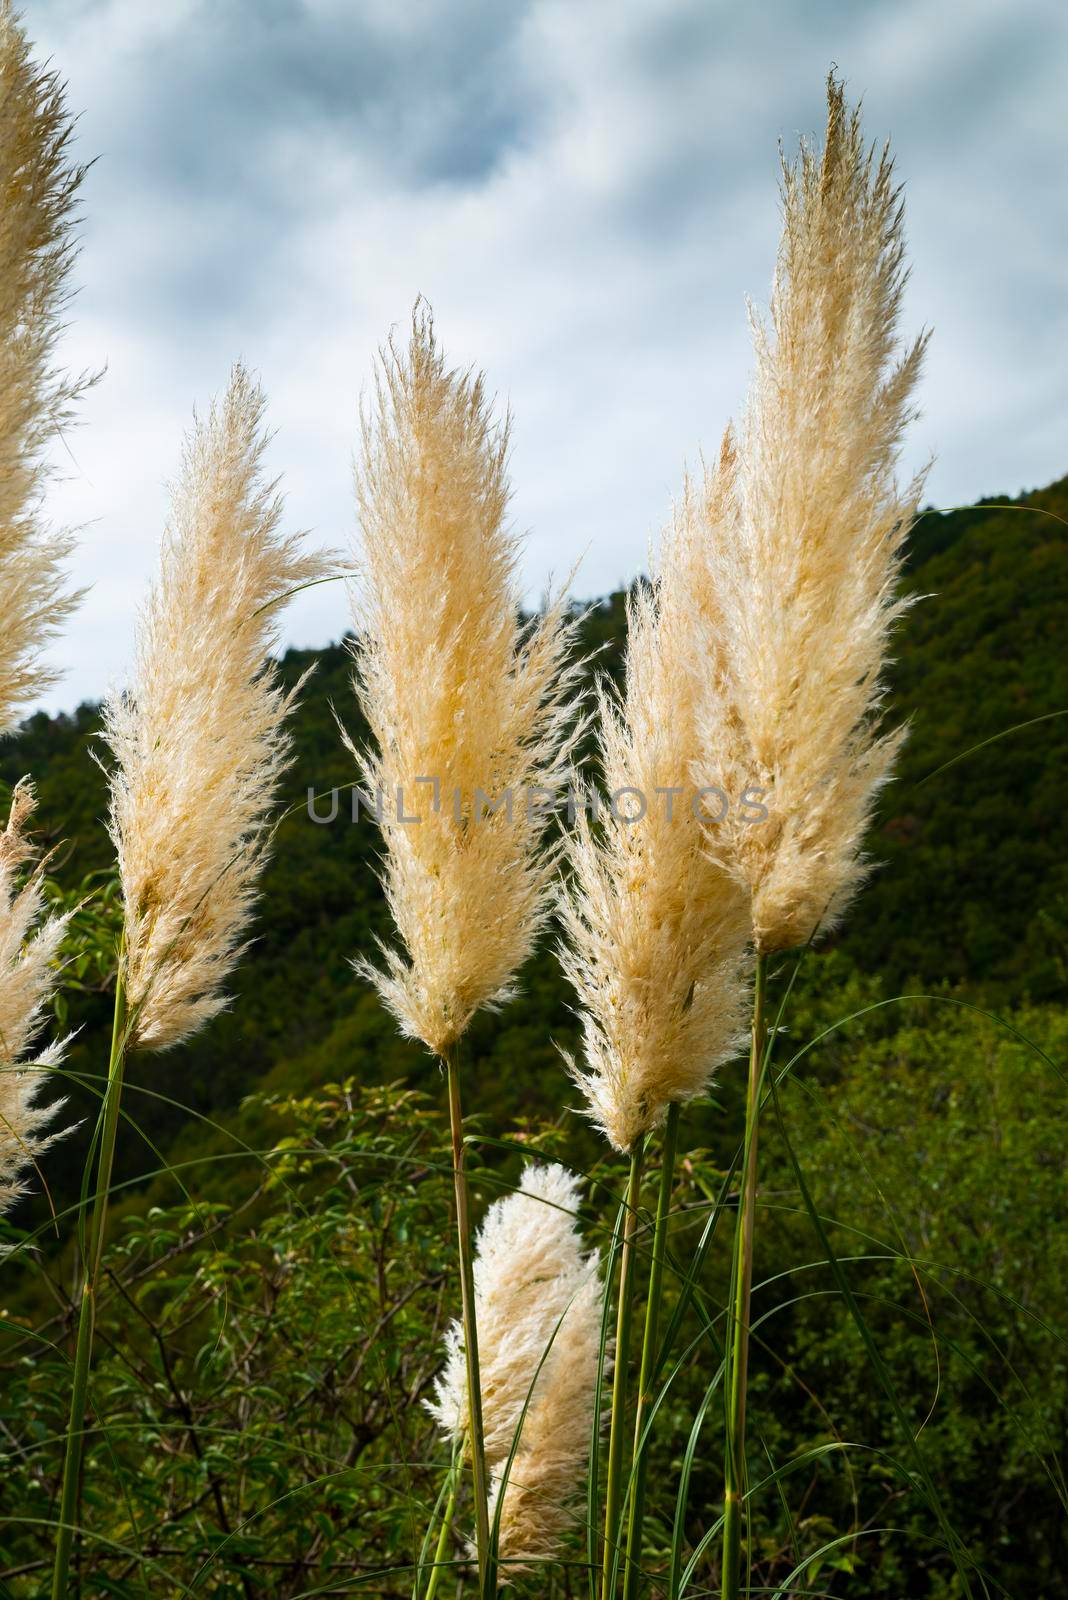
617 1425
467 1291
69 1513
741 1292
650 1356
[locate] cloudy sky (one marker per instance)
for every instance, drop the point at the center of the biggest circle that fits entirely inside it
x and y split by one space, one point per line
585 190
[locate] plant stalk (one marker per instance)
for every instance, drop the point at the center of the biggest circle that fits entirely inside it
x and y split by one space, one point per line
467 1291
613 1495
650 1353
446 1497
69 1514
738 1350
443 1543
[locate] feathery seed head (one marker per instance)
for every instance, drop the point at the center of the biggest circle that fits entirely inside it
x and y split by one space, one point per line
798 588
28 972
536 1290
542 1485
199 738
38 190
464 704
656 927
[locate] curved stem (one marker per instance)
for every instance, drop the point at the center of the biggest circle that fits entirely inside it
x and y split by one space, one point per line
738 1348
650 1355
467 1292
613 1493
69 1516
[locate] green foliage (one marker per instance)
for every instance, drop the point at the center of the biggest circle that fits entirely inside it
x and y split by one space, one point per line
927 1135
973 881
263 1351
88 950
253 1418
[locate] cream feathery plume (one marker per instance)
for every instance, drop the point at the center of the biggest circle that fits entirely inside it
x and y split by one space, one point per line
543 1481
537 1295
466 707
799 588
38 189
199 737
656 927
28 973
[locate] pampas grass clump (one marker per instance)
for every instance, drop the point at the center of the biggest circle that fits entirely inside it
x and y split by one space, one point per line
28 974
537 1290
456 692
38 188
199 737
799 586
656 926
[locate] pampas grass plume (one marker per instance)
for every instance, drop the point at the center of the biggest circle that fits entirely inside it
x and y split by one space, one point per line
456 692
28 973
656 927
799 586
533 1280
199 737
38 190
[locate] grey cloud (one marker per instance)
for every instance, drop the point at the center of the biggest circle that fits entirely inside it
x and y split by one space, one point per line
427 102
213 126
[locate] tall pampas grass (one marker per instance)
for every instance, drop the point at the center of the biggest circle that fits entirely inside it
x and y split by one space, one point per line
469 714
199 737
799 595
38 196
200 744
800 584
29 950
38 193
656 934
537 1295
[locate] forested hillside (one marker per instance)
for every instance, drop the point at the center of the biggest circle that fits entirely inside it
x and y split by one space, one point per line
970 887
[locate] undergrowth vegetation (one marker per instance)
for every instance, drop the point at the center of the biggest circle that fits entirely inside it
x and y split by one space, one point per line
265 1345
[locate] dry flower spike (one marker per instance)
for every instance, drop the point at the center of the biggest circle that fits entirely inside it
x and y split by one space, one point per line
656 927
199 737
38 193
538 1295
29 948
798 588
464 703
